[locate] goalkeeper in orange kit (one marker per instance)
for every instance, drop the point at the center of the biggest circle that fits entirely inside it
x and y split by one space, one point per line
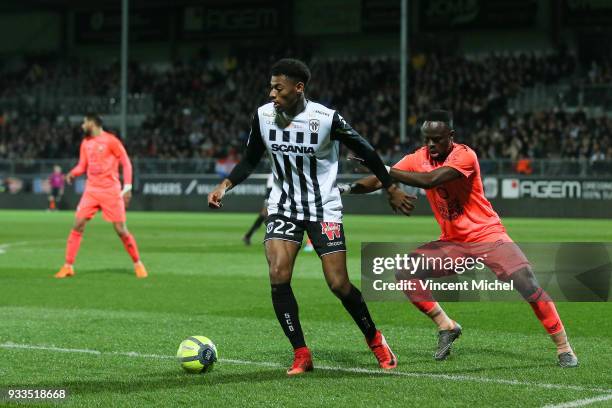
100 155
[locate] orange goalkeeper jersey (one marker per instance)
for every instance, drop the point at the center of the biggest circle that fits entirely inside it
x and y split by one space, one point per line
100 157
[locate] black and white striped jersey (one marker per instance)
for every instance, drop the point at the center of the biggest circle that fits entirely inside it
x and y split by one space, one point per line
304 157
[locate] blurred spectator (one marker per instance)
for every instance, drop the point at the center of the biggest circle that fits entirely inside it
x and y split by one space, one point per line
523 166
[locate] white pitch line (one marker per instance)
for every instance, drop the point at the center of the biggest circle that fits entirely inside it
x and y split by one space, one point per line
357 370
581 402
4 247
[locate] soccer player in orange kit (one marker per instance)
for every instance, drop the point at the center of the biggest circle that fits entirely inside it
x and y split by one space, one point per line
450 174
100 155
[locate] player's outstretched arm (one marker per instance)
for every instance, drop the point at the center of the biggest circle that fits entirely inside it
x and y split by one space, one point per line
398 200
342 131
426 180
365 185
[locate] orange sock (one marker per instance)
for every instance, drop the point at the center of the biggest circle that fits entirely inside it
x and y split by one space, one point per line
130 246
425 307
72 246
548 316
52 204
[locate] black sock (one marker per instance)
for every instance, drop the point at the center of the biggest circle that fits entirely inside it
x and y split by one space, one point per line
256 225
357 308
286 309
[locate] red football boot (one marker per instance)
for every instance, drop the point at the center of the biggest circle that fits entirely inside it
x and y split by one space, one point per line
382 351
302 361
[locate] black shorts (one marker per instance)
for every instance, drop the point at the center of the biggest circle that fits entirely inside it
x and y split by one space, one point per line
55 192
326 237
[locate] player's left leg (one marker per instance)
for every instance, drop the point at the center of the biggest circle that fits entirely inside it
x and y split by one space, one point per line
113 210
131 247
328 240
336 276
421 297
544 308
509 263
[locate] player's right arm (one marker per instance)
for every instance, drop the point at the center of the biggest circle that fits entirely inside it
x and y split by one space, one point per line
426 180
370 184
81 167
365 185
344 133
254 151
461 162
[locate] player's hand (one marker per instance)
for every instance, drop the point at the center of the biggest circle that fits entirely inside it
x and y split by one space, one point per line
344 188
215 197
127 197
400 201
69 178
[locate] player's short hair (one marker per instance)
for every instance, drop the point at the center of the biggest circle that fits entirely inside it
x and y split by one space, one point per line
439 115
292 68
94 117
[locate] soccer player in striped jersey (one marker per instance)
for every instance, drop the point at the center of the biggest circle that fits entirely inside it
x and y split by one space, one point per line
450 174
100 155
302 139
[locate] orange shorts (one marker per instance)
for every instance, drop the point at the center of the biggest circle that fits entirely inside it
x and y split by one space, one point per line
111 204
499 253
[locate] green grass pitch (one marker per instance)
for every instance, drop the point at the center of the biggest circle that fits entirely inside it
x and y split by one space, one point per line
109 338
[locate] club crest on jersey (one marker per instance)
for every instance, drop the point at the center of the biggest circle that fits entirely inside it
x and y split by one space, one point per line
314 125
331 229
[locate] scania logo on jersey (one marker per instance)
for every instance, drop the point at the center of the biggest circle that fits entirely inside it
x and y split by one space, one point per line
292 149
314 125
331 229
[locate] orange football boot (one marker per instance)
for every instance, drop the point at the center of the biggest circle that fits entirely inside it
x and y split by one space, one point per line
66 272
140 270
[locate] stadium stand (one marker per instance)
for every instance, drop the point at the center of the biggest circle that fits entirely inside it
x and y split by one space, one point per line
202 109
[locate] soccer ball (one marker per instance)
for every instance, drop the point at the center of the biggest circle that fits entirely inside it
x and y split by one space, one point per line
197 354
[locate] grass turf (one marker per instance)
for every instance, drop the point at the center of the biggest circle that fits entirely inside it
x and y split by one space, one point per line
203 280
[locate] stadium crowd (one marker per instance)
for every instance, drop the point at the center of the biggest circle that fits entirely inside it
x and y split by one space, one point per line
203 109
